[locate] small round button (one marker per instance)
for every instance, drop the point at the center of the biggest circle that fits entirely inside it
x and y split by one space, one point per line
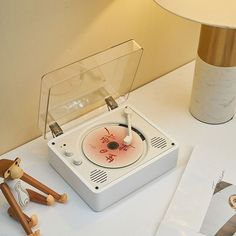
68 153
77 162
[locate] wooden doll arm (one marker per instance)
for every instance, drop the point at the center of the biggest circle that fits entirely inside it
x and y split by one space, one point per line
16 208
35 183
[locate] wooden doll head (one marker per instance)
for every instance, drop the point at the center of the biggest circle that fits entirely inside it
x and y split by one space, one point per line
10 169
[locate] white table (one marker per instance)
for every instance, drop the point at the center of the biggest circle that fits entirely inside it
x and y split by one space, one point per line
164 101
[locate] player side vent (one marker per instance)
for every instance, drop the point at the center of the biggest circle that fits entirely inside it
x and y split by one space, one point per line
158 142
98 176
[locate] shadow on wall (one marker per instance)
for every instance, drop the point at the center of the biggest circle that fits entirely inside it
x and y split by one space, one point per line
36 37
41 29
39 36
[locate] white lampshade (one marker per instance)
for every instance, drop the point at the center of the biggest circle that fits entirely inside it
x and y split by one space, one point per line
217 13
213 98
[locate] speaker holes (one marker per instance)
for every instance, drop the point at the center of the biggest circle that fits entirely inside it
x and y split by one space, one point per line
98 176
158 142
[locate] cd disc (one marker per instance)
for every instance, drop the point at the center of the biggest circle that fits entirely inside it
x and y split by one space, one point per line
105 146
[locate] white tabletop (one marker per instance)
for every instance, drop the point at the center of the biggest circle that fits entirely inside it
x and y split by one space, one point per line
164 101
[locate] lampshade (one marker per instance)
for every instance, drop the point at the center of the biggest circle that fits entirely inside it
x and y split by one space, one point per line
213 98
217 13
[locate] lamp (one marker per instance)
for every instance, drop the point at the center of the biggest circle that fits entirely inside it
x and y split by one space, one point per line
213 96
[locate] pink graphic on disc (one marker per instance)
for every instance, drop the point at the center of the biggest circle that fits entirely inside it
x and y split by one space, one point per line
105 147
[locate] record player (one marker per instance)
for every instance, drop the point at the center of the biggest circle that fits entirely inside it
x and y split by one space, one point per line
99 143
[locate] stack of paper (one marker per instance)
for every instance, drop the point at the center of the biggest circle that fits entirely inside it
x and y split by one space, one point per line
205 200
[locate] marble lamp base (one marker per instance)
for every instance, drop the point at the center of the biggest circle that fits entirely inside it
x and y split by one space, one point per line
213 97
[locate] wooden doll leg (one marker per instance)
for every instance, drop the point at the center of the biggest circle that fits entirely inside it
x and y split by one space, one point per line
16 208
32 221
38 185
39 198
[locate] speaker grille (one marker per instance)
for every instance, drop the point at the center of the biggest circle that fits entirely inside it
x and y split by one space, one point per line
98 176
158 142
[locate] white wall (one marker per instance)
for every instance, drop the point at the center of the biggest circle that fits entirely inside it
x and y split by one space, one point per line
37 36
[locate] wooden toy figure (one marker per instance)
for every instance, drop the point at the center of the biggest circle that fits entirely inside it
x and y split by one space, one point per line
18 197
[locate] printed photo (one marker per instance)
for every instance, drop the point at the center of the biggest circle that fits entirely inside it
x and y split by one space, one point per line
220 219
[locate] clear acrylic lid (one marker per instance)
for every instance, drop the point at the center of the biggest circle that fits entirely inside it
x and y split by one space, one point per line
78 88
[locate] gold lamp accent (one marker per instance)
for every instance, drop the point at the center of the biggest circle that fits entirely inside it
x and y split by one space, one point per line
217 46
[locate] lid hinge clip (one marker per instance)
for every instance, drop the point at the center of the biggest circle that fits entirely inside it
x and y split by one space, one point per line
111 103
55 128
